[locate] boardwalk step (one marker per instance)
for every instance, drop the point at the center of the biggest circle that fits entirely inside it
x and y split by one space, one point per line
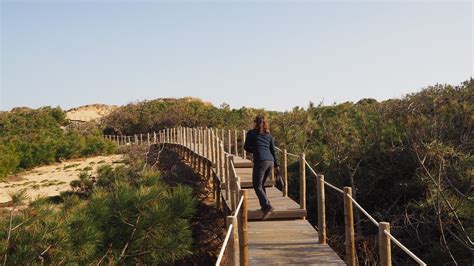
256 214
249 184
287 243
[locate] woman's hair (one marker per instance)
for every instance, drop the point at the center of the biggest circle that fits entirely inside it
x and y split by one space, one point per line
261 125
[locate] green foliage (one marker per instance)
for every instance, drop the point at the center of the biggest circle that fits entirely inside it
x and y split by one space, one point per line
154 115
122 216
30 138
9 159
407 159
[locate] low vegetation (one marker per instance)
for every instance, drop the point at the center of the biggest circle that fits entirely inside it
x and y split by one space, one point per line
409 161
29 138
124 215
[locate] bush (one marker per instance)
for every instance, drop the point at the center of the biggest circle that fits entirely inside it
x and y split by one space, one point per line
392 154
35 137
9 159
124 218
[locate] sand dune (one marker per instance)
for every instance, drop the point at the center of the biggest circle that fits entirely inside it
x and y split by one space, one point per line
90 112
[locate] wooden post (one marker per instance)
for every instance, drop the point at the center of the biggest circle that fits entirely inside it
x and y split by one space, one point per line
244 153
349 228
196 140
209 144
218 193
223 136
215 134
204 143
176 135
148 139
217 156
385 252
183 136
154 137
234 241
221 159
302 181
199 141
231 179
236 149
321 209
243 237
212 145
229 142
285 172
187 138
209 174
193 141
227 176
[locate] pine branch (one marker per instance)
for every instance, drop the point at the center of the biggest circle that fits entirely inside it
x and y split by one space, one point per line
105 255
9 234
130 238
138 254
443 196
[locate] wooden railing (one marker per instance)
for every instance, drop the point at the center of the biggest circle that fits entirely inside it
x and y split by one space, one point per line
204 150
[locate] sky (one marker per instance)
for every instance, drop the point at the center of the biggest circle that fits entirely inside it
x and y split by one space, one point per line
264 54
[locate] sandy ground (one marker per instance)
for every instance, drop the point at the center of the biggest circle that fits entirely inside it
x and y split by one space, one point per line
52 179
90 112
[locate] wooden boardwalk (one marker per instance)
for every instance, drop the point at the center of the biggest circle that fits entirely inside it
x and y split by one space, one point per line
286 242
285 238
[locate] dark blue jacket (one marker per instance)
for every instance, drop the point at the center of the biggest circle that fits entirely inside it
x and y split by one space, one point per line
262 146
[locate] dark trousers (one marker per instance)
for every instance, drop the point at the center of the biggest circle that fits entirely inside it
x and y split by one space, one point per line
260 174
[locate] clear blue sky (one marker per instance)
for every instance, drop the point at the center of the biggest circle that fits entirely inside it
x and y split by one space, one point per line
267 54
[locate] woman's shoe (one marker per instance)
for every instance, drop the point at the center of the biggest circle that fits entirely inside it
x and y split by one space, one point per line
267 213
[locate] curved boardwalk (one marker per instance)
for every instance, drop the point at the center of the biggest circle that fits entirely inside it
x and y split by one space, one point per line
285 238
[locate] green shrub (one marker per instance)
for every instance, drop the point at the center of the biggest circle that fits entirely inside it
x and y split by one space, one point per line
35 137
124 218
9 160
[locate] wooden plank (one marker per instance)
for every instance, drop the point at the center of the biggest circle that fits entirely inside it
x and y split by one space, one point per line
257 214
284 206
243 163
247 183
245 175
295 243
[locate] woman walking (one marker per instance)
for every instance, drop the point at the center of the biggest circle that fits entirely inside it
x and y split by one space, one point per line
260 143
